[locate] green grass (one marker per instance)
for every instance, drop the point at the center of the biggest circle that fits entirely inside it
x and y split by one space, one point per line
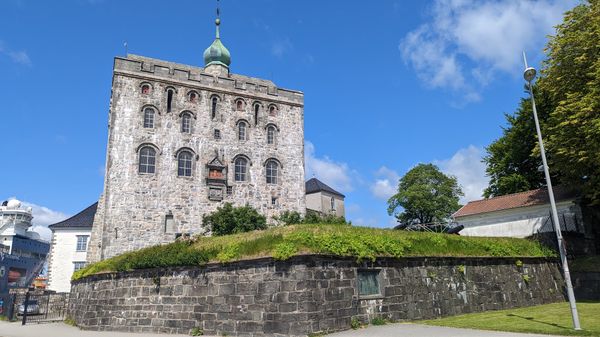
589 264
342 240
551 319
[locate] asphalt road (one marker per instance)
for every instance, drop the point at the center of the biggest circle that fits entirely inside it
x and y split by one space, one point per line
390 330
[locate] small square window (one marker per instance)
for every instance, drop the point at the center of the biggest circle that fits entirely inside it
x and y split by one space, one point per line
78 265
368 282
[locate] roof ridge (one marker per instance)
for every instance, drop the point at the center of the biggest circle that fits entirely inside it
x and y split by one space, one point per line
508 195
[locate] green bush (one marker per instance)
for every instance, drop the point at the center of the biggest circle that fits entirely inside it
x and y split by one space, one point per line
313 217
230 220
196 331
289 218
379 321
355 323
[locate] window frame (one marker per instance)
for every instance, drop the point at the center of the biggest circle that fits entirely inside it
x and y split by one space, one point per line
271 134
187 171
79 244
147 163
193 100
214 105
242 125
149 114
186 116
243 176
145 84
269 169
78 265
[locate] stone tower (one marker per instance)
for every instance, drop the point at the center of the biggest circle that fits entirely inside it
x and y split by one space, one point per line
183 140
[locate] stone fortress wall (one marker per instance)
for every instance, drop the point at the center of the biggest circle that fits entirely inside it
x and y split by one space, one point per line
307 294
133 209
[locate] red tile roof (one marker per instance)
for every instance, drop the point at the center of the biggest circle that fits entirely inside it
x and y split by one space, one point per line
516 200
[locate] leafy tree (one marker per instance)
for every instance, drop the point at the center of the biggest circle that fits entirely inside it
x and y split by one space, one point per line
568 100
229 220
571 77
513 160
426 195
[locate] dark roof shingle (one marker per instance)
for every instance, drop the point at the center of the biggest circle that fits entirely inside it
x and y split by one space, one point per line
82 219
314 185
516 200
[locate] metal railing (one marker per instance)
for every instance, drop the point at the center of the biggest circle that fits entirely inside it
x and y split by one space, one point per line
40 308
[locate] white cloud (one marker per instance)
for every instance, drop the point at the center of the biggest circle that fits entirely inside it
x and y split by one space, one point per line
467 167
42 217
463 43
281 46
335 174
17 56
386 184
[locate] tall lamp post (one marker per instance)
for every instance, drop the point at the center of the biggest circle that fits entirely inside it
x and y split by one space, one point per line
529 75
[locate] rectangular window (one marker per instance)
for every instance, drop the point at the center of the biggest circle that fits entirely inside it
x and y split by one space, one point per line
217 134
229 190
273 201
82 242
368 282
77 265
169 223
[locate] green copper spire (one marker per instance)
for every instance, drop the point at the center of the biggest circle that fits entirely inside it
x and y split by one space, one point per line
216 53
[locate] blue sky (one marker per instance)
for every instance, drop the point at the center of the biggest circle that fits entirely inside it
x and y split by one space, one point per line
387 84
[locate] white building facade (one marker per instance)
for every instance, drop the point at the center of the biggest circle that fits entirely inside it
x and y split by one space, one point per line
68 252
323 199
519 215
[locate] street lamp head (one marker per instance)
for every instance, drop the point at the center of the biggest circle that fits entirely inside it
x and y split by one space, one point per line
529 74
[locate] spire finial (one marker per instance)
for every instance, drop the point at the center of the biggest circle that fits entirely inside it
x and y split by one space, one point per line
218 19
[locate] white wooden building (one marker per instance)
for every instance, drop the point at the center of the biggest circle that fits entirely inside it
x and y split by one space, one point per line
519 214
68 251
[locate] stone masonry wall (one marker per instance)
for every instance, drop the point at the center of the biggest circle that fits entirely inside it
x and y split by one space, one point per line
132 210
306 294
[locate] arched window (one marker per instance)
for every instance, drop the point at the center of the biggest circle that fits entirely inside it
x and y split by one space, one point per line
186 123
193 96
149 118
272 110
145 89
271 134
184 164
256 109
272 171
241 169
242 131
147 160
213 109
169 99
239 105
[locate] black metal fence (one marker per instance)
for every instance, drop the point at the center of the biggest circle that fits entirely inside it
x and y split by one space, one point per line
39 308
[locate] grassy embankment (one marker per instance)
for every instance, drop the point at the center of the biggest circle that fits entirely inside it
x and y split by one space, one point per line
342 240
551 319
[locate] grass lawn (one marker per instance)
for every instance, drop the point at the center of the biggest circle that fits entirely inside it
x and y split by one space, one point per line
551 319
341 240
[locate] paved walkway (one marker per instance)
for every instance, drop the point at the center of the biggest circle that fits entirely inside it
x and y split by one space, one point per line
390 330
